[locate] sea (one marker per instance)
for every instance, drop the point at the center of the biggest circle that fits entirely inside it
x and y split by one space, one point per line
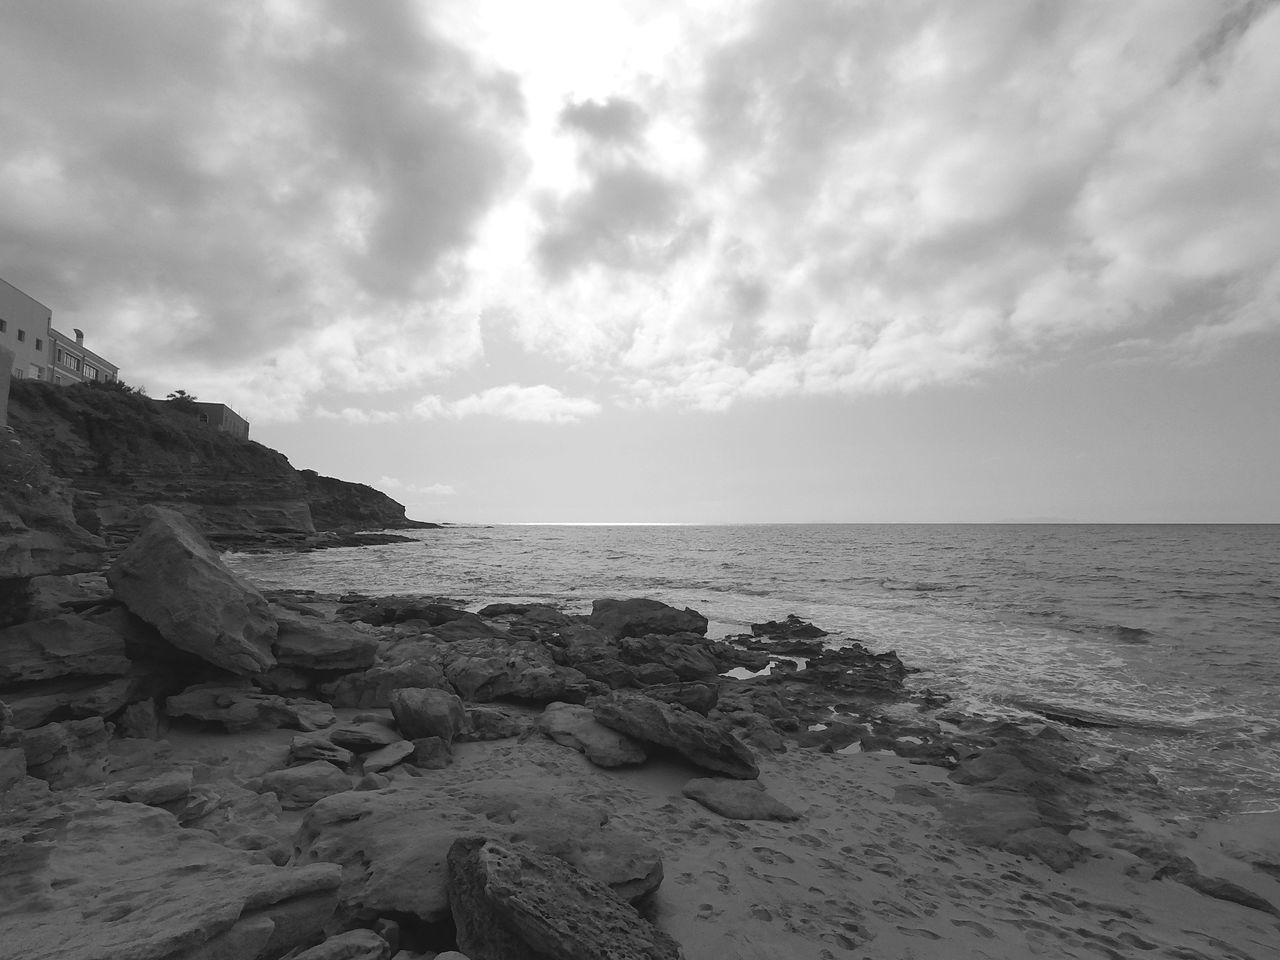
1164 639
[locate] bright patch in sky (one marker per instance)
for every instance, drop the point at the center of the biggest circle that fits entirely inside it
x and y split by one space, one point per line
419 226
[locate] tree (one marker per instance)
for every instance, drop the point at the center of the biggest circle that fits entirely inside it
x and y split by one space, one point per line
181 400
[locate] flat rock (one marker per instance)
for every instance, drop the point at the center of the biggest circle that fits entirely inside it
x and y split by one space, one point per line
352 945
640 617
99 879
363 736
393 843
313 644
301 786
692 735
513 903
64 646
171 578
572 725
738 799
240 706
384 758
317 746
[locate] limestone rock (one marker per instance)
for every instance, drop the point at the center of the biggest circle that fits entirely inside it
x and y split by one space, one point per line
689 661
640 617
493 723
392 843
373 687
317 746
352 945
384 758
63 646
486 668
124 881
575 726
363 736
314 644
171 578
67 754
239 706
301 786
738 799
428 713
512 903
692 735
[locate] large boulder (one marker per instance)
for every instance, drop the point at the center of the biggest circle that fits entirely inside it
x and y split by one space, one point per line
393 843
301 786
689 734
512 903
572 725
689 661
738 799
171 578
428 713
373 687
309 643
104 879
639 617
484 668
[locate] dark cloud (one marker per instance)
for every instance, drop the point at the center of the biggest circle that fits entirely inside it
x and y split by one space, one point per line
615 120
226 180
628 219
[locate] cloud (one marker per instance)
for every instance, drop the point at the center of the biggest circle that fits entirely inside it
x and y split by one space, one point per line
231 185
538 404
615 120
356 415
426 490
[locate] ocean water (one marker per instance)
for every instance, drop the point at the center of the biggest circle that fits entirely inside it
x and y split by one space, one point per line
1171 633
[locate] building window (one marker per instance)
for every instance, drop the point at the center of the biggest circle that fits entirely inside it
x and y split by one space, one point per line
22 335
17 373
56 378
90 372
39 344
39 373
3 326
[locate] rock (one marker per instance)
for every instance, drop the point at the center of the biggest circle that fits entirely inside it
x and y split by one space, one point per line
689 661
154 791
352 945
301 786
491 723
67 754
1185 871
317 746
431 753
512 903
387 757
698 697
64 646
610 671
312 644
392 843
373 687
693 736
171 578
575 726
428 712
139 721
738 799
639 617
38 704
654 674
792 628
361 737
239 706
124 880
484 669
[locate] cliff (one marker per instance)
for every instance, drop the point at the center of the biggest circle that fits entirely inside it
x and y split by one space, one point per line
116 451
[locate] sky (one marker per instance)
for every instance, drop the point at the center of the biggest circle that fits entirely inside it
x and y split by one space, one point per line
659 261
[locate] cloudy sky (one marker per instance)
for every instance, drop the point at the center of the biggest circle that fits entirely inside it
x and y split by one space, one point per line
644 260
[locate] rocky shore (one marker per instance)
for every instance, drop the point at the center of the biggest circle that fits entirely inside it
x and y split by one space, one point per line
192 768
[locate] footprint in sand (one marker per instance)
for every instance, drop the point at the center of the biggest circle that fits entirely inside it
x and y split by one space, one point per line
766 855
918 932
982 928
758 912
707 912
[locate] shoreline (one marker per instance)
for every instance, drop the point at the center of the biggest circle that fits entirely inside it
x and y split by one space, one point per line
827 809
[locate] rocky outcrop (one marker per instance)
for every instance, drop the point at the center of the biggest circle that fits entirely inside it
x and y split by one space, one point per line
689 734
338 504
393 843
427 712
512 903
171 578
575 726
639 617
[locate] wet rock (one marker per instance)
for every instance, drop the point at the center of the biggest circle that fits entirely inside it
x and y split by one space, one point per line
392 843
301 786
693 736
575 726
738 799
512 903
689 661
428 712
792 628
640 617
171 578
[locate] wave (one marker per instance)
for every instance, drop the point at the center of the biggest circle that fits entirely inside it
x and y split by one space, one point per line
921 586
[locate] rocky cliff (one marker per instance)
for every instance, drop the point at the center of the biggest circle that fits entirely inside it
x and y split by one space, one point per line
113 451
